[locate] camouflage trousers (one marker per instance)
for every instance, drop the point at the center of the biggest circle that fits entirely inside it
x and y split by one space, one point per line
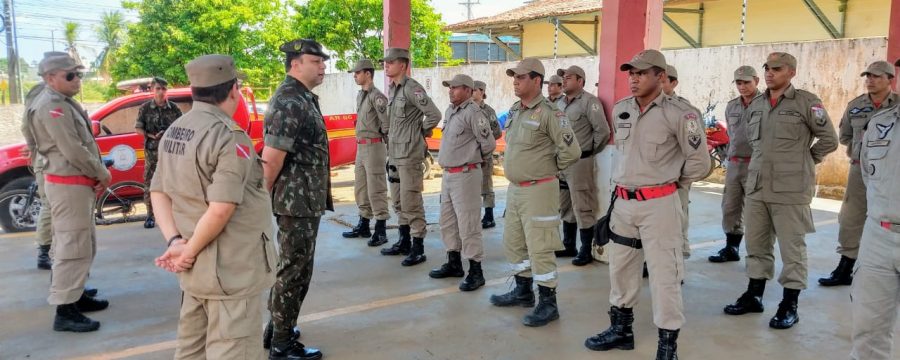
297 238
150 157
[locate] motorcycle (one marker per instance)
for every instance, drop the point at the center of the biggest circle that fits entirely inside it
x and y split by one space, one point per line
716 139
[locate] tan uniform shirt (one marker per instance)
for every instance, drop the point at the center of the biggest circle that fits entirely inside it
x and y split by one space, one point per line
880 164
539 141
371 114
205 157
467 136
61 132
665 143
782 168
37 161
586 115
738 145
560 102
412 114
491 117
856 116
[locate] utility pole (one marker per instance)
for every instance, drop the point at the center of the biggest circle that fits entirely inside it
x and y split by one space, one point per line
53 40
468 4
11 55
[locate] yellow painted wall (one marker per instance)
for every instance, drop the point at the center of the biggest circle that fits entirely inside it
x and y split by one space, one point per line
537 38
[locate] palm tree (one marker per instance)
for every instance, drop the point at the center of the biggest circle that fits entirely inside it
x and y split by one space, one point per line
71 34
111 32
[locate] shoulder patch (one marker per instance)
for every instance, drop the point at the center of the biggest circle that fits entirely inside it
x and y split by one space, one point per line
692 127
242 151
818 111
56 112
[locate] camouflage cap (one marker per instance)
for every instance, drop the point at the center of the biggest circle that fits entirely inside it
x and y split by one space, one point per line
480 85
574 69
745 73
55 60
671 71
392 54
644 60
880 68
554 79
525 66
362 64
304 46
210 70
459 80
780 59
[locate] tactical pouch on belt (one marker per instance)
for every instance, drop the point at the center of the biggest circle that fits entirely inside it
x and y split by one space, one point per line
603 234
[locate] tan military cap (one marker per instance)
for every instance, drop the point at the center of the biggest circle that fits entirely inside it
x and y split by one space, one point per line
571 70
304 46
210 70
671 72
745 73
480 85
395 53
460 80
779 59
525 66
55 60
880 68
363 64
554 79
644 60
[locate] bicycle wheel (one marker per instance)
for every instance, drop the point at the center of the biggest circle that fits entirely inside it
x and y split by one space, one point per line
15 216
122 202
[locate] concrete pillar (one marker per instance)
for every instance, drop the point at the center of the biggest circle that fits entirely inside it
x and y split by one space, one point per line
893 49
396 33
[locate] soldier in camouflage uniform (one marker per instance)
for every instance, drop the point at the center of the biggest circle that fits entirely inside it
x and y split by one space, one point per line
297 172
154 117
487 183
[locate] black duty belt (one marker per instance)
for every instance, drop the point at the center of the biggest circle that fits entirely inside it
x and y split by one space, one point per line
627 241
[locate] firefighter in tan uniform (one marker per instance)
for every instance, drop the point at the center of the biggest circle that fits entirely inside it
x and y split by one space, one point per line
211 204
412 117
853 124
566 212
585 114
487 167
370 185
467 140
540 144
738 154
876 284
662 143
781 124
73 172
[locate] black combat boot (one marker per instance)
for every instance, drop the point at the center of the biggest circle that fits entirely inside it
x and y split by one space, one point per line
401 247
416 254
43 258
89 304
546 310
475 279
89 291
487 221
360 230
786 316
521 295
380 236
453 267
730 251
150 222
842 275
667 348
750 301
618 336
270 330
69 318
570 231
584 256
293 350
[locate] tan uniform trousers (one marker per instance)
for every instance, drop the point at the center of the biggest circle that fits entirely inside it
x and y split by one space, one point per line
394 187
657 222
44 225
487 183
75 244
853 214
531 231
684 197
875 293
733 197
412 206
790 224
370 187
565 206
583 190
220 329
461 213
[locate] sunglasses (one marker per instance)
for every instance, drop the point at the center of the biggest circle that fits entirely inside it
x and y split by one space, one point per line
71 76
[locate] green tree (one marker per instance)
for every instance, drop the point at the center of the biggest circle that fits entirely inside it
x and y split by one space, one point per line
111 32
352 29
70 33
172 32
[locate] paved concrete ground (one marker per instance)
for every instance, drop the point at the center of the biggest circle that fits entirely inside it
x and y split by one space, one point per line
366 306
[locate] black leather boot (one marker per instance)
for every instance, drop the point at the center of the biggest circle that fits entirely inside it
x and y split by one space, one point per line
380 236
570 231
750 301
619 335
269 332
521 295
89 291
475 279
546 310
89 304
842 275
360 230
69 318
416 254
150 222
293 350
453 267
402 246
43 258
487 221
786 316
730 252
584 256
668 347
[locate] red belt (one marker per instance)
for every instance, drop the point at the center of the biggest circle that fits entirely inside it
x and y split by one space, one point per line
889 226
535 182
854 162
739 158
646 193
459 169
69 180
365 141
